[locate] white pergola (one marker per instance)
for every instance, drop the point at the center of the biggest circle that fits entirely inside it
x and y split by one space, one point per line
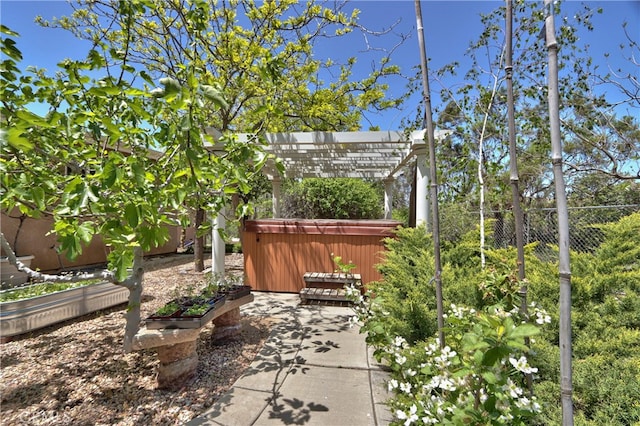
367 155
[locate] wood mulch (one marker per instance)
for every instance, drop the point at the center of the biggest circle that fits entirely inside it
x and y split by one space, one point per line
76 373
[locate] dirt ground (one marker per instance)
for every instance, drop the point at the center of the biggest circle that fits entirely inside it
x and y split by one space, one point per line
76 373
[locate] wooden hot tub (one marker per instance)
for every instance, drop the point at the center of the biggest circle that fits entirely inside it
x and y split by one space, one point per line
278 252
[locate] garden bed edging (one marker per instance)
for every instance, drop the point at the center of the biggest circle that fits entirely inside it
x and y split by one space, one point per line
22 316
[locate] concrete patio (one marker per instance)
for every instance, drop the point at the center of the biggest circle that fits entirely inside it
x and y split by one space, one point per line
315 369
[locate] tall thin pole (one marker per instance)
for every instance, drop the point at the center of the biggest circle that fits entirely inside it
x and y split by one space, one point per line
513 168
513 163
566 386
433 173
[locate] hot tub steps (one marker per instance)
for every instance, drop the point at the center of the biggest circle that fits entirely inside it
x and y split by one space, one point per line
309 294
327 286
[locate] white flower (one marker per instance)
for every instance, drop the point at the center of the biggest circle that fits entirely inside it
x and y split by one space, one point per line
353 321
408 418
542 317
522 365
483 396
430 420
513 389
410 372
505 418
400 359
405 387
400 342
523 402
413 417
441 382
431 348
393 384
443 360
446 351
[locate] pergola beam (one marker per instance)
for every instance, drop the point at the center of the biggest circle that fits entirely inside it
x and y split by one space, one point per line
365 155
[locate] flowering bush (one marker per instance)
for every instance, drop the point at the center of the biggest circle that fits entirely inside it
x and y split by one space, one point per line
477 378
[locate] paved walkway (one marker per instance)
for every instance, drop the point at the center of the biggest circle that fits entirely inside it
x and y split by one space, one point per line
313 370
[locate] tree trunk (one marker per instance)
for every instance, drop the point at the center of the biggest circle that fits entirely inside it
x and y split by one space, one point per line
134 284
566 385
198 246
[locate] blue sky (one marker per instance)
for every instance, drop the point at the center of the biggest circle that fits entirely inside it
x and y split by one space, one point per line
449 27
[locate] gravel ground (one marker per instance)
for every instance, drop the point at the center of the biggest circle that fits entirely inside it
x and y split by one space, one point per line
76 373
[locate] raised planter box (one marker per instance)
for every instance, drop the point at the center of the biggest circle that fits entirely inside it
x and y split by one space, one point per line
179 320
9 274
23 316
236 292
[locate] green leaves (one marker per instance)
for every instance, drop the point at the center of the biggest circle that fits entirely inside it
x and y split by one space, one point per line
132 215
524 330
214 94
172 87
120 260
8 46
15 137
340 198
72 235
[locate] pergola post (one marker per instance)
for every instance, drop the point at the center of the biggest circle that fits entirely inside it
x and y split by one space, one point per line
422 188
388 197
276 195
217 242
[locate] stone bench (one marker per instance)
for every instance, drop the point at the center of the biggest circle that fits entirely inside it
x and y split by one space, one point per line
176 347
327 286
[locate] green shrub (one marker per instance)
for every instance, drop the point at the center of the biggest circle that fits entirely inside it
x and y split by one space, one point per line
605 323
607 390
407 291
339 198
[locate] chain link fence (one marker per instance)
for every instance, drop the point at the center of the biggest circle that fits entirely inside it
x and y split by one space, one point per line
540 225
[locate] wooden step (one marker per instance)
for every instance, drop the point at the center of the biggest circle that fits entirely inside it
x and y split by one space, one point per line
327 294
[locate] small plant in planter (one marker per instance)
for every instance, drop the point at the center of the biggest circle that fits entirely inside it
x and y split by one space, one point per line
231 286
186 311
167 310
197 309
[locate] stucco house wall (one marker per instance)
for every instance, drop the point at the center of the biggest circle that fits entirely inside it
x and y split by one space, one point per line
33 240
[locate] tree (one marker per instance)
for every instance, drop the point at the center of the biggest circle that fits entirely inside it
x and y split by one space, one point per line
238 44
602 142
111 158
600 136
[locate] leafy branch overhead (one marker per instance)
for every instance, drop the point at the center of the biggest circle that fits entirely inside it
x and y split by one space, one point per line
242 46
